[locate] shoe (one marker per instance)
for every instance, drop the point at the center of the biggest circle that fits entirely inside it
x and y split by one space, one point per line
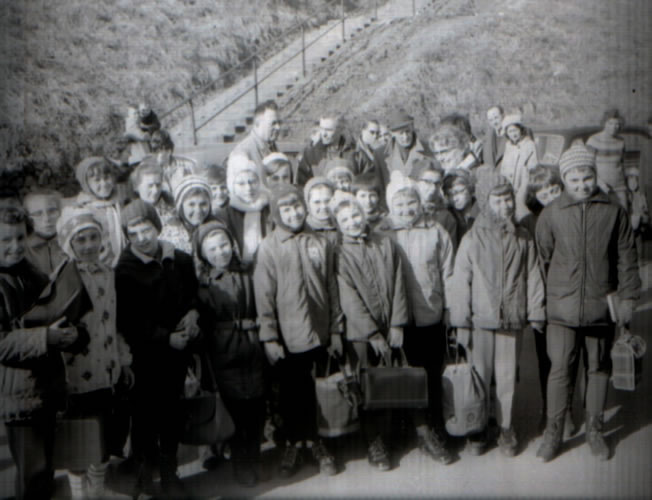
244 473
599 447
378 456
291 461
507 442
477 443
433 445
324 458
551 439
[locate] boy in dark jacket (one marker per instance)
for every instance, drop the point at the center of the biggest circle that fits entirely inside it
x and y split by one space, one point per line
587 246
300 316
374 300
156 291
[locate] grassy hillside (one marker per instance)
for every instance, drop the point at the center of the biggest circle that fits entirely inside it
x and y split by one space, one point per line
71 67
562 62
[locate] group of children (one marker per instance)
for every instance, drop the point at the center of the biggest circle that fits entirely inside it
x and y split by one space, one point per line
119 290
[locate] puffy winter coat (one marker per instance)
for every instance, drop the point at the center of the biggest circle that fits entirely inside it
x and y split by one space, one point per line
371 284
497 282
296 290
588 250
427 251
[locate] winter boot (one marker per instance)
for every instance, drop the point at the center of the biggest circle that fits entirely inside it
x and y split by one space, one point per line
96 475
599 447
433 445
551 439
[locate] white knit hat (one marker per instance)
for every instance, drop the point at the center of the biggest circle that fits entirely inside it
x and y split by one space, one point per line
72 220
576 156
513 119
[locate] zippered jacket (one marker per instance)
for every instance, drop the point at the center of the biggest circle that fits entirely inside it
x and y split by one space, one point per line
588 251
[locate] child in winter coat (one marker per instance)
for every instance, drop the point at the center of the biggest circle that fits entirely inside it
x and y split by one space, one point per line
318 193
227 317
496 290
587 246
300 317
43 208
97 178
372 295
93 374
458 189
429 177
156 292
192 201
278 169
609 150
366 189
31 368
428 257
519 158
248 212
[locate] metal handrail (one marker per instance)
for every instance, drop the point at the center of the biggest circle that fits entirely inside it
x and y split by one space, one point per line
254 57
232 70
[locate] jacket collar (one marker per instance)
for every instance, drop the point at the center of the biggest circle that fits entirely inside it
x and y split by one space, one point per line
167 252
365 149
421 222
565 200
284 234
357 240
317 225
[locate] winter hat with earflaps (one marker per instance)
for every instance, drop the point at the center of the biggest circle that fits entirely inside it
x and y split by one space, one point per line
72 220
206 229
574 157
182 184
236 165
82 168
488 182
343 198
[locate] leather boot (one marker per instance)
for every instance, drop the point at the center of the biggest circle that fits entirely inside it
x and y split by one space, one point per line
599 447
552 438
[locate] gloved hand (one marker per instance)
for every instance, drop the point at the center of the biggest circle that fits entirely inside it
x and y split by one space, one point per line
396 336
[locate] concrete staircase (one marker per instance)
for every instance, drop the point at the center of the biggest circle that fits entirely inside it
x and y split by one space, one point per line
227 129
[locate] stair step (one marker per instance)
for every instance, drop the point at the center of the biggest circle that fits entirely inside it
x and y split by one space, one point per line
249 120
240 129
289 86
228 137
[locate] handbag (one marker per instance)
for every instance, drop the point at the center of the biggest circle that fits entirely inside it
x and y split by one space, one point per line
338 398
402 386
463 397
207 421
78 443
627 360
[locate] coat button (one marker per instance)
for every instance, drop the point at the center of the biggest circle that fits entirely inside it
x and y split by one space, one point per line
106 316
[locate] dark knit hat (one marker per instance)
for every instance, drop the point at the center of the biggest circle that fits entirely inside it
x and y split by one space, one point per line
398 120
366 182
137 211
421 165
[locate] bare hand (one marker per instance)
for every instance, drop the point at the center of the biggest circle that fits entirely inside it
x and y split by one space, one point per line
189 324
379 345
274 351
336 346
396 336
128 377
58 337
179 340
464 337
538 326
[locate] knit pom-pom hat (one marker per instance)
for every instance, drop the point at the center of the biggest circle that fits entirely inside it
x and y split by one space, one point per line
574 157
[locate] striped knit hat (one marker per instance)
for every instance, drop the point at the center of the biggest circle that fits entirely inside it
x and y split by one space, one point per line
576 156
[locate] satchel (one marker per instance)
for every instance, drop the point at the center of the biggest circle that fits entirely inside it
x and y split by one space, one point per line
464 398
387 386
338 399
207 421
78 443
627 360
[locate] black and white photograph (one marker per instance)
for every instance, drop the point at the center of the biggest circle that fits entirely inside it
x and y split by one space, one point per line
325 249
